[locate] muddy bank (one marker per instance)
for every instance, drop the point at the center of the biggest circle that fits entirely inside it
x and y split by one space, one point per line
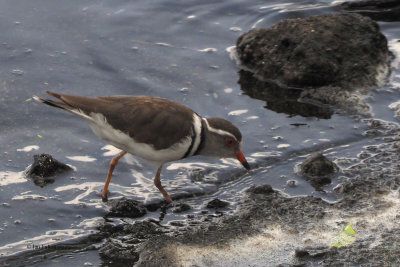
270 228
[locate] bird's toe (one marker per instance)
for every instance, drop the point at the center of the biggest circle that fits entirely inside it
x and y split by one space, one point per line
104 196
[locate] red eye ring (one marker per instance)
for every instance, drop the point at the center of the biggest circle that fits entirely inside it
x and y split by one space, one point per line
229 141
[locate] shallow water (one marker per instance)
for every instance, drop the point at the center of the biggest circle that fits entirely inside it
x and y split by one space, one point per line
162 48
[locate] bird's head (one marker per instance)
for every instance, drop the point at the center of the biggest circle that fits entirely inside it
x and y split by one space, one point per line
224 140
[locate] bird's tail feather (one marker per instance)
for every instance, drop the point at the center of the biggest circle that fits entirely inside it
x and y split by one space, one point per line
62 105
53 103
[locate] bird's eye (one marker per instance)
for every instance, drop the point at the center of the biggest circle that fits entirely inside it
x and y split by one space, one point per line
229 141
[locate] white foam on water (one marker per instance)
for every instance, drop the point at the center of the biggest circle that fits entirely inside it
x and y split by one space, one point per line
28 148
81 158
9 177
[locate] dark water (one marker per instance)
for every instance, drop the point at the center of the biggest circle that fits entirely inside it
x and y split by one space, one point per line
177 50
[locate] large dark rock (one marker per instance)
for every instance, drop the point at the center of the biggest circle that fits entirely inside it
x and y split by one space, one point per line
383 10
44 166
345 50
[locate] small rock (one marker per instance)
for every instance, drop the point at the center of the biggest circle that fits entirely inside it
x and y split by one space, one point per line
314 252
217 204
291 183
43 167
374 123
153 206
363 155
126 208
317 169
196 174
318 165
177 223
301 253
181 207
260 189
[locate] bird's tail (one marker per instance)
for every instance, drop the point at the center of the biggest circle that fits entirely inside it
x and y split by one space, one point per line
57 104
61 104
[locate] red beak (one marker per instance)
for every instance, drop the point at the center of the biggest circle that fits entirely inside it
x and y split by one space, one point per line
242 159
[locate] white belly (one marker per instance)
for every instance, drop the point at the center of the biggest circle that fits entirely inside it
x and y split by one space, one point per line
104 130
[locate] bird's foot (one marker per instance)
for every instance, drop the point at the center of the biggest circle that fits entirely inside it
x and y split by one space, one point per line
168 199
166 204
104 196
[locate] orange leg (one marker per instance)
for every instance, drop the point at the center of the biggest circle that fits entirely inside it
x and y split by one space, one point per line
157 182
113 163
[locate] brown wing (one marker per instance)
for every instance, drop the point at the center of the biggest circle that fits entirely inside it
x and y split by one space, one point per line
151 120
